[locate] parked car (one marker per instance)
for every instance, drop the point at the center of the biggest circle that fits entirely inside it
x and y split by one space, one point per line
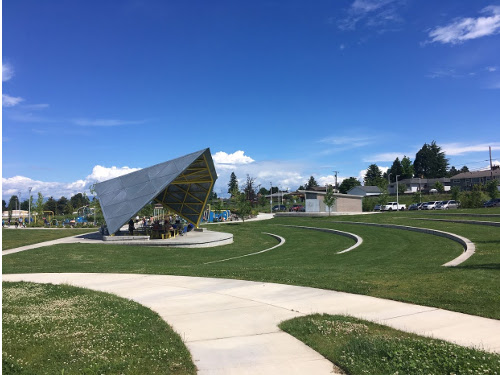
279 207
492 203
297 208
393 206
377 207
415 206
430 205
447 205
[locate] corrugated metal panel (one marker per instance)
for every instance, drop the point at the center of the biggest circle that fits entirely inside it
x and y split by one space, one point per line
181 185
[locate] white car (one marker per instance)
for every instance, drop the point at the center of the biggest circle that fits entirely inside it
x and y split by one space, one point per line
430 205
393 206
446 205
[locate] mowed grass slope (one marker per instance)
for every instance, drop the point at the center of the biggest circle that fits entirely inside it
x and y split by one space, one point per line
394 264
12 238
60 329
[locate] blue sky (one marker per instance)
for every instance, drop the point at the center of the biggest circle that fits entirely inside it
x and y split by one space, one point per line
280 90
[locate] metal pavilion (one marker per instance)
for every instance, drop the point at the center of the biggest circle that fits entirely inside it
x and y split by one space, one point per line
181 185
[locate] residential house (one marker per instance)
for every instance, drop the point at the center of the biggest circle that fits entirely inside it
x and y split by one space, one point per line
365 191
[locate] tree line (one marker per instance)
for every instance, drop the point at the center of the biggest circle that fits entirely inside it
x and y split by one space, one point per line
61 206
430 162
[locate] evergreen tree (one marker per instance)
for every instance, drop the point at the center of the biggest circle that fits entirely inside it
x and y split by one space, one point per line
50 205
233 184
464 169
373 176
396 170
13 203
407 166
348 184
311 183
430 162
4 205
62 204
452 172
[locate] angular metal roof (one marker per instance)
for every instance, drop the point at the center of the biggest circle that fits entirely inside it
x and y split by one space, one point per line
181 185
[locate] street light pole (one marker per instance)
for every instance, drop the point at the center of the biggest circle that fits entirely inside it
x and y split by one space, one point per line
19 205
397 193
29 206
271 201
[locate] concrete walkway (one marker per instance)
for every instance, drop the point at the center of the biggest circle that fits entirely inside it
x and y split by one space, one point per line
192 239
230 326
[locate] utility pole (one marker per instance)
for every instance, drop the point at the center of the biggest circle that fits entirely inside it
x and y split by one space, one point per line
29 206
336 189
491 165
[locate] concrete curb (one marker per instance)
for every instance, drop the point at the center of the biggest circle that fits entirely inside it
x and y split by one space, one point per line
352 236
469 247
475 222
279 238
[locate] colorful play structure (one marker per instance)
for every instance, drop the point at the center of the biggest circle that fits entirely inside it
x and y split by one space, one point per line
212 216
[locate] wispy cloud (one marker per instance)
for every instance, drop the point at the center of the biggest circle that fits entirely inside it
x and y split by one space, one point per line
373 13
348 141
463 29
7 72
455 149
106 122
10 101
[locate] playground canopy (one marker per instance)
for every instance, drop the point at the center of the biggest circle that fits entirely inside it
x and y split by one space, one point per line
181 185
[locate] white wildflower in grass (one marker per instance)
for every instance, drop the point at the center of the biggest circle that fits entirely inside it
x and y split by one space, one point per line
62 329
361 347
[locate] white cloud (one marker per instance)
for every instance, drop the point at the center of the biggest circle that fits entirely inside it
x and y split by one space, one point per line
100 173
105 122
468 28
11 186
455 149
10 101
491 69
224 160
7 72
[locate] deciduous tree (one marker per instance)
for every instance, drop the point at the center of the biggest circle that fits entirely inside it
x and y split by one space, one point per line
347 184
330 198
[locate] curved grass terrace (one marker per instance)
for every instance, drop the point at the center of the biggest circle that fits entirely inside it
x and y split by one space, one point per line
60 329
393 264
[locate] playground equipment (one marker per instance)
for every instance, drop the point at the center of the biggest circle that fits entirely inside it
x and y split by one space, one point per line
211 216
50 215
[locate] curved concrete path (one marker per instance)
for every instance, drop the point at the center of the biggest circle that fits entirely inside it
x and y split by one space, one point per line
230 326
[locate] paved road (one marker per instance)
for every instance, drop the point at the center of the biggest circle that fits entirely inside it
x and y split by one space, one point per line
230 326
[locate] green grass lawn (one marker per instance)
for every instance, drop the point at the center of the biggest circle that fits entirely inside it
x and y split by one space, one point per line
12 238
360 347
60 329
394 264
